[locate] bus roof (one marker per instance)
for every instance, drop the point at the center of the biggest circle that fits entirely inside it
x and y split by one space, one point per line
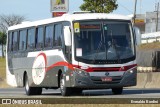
70 17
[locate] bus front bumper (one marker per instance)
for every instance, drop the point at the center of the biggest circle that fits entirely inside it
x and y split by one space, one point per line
129 78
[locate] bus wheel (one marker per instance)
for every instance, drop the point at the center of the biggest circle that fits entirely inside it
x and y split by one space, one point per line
38 90
77 91
117 91
31 90
65 91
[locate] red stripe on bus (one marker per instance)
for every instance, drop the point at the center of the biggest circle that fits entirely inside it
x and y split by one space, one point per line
60 64
92 69
109 69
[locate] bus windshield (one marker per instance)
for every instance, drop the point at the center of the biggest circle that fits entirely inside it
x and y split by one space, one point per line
99 41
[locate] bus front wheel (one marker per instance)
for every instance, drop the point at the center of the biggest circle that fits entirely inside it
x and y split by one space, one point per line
65 91
117 91
31 90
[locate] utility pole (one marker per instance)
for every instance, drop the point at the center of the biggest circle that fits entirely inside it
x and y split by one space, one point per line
135 7
157 17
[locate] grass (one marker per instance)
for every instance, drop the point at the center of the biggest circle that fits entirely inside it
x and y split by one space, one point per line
2 68
3 83
149 46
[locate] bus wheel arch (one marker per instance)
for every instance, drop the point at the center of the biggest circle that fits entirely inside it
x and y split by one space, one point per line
65 91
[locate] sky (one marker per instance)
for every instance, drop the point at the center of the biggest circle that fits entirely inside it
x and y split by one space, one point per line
40 9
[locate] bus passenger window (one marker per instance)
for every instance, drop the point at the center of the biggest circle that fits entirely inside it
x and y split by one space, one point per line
40 38
15 41
58 35
10 42
22 40
49 36
31 39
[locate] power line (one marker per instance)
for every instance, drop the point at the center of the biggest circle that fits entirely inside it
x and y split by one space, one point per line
125 8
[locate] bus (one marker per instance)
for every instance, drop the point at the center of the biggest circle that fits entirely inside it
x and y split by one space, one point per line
72 52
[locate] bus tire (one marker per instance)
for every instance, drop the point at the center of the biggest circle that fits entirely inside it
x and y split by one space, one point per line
117 91
31 90
38 90
65 91
77 91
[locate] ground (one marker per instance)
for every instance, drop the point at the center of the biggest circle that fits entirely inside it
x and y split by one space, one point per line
149 46
3 83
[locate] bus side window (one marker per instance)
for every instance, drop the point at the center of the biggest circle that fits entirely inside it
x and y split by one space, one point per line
57 35
22 40
49 36
31 39
10 42
40 37
15 41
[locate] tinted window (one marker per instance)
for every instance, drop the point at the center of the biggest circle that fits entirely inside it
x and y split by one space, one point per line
39 41
15 41
22 40
58 35
31 39
49 36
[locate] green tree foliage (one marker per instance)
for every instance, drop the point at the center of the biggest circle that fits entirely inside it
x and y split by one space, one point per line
3 37
99 6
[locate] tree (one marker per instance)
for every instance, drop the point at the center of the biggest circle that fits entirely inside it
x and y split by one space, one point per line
3 37
10 20
5 22
99 6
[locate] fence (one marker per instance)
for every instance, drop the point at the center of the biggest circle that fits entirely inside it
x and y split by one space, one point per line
150 37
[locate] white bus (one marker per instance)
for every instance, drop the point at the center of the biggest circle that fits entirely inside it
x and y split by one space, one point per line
72 52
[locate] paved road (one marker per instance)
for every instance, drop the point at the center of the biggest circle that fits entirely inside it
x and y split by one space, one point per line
51 93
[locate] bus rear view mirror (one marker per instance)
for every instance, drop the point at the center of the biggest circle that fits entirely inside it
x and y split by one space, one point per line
137 33
67 35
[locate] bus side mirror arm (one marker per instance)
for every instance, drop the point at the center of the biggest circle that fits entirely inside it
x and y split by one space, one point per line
67 35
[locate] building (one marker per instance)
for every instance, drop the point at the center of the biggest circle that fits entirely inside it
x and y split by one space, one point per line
147 23
151 22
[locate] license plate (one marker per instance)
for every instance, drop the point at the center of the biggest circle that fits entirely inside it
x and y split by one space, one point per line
106 79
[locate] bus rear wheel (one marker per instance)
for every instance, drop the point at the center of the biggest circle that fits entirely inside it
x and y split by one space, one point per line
77 91
31 90
65 91
117 91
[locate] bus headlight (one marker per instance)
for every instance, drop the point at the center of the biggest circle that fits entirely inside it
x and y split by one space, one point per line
131 71
81 72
